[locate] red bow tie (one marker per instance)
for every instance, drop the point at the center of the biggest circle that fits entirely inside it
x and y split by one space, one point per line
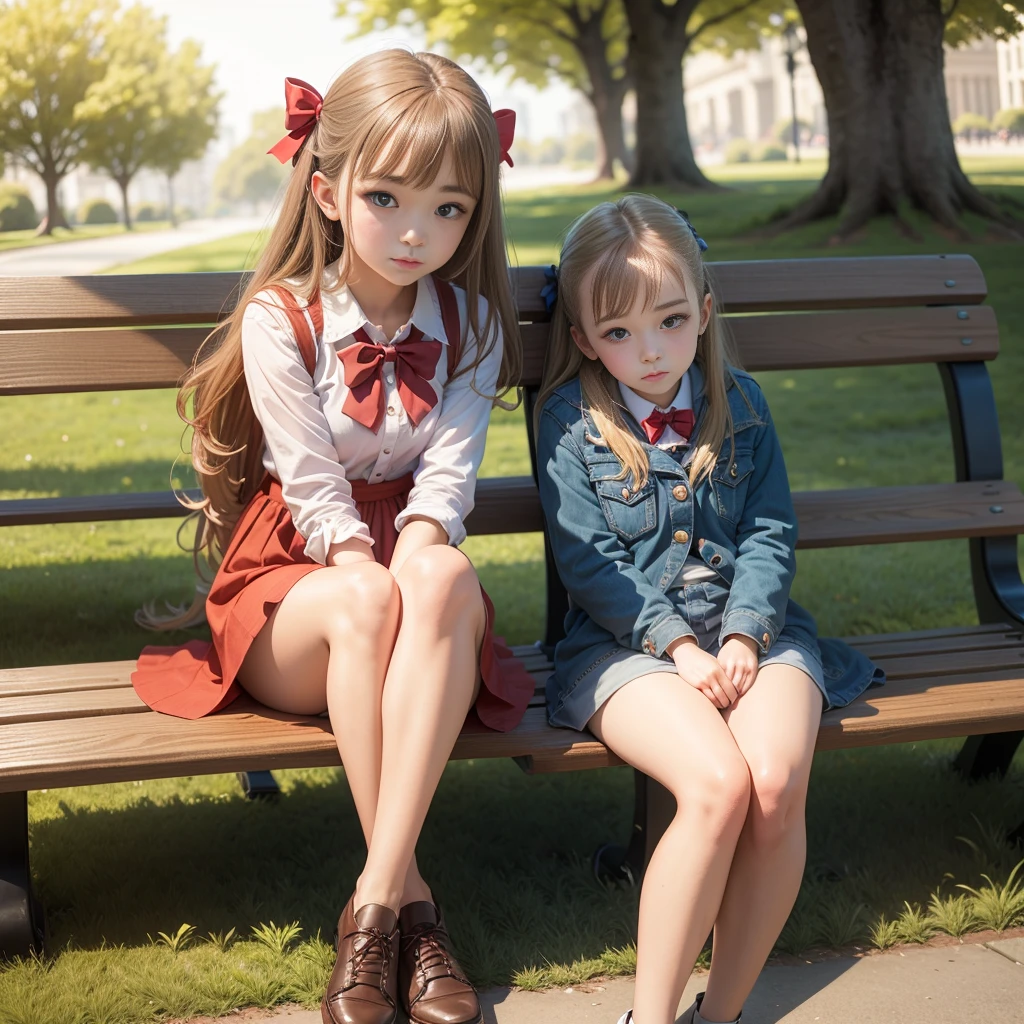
415 363
680 420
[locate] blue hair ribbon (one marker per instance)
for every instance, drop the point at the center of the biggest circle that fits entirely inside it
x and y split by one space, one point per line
701 244
549 293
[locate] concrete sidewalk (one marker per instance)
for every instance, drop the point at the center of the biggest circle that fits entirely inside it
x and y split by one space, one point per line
89 255
960 984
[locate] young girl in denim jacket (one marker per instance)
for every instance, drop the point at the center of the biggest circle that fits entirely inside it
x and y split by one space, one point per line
672 526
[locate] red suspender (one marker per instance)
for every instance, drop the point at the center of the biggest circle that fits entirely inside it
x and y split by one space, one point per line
450 319
300 325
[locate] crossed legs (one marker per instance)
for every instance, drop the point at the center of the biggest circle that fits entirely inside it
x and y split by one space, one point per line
733 854
394 660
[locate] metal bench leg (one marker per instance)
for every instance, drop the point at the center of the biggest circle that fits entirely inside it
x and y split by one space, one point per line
653 809
260 785
21 919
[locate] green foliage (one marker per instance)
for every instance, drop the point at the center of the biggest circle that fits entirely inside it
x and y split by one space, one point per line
782 131
885 933
219 940
247 173
149 212
276 939
953 915
581 147
999 906
769 153
914 924
1011 119
972 124
52 53
176 941
97 211
737 152
17 211
971 20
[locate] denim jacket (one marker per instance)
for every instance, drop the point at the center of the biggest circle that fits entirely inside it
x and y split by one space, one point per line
618 550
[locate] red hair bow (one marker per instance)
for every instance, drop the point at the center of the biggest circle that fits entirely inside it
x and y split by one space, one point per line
302 111
506 122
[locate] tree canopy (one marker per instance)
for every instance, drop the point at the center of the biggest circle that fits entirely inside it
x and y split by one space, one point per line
52 52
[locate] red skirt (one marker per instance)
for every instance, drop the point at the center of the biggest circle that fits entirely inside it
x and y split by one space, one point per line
264 560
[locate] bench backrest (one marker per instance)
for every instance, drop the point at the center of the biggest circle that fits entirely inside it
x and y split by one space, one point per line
122 332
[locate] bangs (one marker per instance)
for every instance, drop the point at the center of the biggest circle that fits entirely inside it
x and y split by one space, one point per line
629 269
410 141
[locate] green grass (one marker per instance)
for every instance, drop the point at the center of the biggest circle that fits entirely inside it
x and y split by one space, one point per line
24 239
115 864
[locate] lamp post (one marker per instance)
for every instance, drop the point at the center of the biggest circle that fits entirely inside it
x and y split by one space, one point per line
792 45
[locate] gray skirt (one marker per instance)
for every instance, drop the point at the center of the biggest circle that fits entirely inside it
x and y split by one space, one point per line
702 605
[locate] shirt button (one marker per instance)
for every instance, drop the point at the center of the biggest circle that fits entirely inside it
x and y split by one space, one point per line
378 474
391 410
680 536
387 451
390 380
679 493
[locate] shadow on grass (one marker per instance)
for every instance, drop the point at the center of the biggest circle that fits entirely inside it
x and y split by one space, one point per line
506 854
67 481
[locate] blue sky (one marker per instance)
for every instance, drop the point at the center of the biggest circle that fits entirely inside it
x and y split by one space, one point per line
256 44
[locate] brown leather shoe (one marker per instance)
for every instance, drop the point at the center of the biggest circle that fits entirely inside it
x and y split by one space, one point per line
364 982
432 985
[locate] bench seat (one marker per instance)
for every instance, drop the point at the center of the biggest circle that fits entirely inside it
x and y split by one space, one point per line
83 724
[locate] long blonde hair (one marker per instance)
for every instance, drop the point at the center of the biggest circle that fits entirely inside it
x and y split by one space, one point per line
630 245
385 108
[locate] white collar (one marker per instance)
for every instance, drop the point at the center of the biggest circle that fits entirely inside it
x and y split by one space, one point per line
343 315
640 408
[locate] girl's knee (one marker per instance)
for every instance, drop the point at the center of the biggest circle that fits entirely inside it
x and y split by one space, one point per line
361 598
718 793
439 573
777 803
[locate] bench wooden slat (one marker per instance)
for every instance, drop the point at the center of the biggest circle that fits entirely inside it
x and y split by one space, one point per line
126 300
36 362
835 518
930 694
503 505
888 515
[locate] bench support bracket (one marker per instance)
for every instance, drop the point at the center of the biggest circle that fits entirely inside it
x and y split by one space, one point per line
21 919
259 785
653 810
995 570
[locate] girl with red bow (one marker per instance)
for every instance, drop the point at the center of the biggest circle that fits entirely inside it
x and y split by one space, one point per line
671 523
339 417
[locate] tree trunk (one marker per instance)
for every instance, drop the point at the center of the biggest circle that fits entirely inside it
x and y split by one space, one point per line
170 201
606 95
122 184
890 142
657 43
54 215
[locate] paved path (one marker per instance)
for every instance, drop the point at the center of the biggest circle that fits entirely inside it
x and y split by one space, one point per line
93 254
968 984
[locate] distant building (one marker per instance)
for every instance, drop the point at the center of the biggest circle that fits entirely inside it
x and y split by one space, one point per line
1011 73
746 95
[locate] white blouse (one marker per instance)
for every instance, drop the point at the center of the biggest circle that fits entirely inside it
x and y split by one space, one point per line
314 448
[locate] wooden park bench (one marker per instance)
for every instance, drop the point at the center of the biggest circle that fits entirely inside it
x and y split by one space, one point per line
68 725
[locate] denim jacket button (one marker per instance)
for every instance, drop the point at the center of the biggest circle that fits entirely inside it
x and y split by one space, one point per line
680 536
716 560
679 493
766 639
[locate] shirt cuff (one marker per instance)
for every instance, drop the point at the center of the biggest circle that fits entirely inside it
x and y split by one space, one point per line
334 531
761 631
668 628
447 518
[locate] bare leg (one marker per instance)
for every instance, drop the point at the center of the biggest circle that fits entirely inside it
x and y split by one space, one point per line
327 645
673 733
431 684
775 724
